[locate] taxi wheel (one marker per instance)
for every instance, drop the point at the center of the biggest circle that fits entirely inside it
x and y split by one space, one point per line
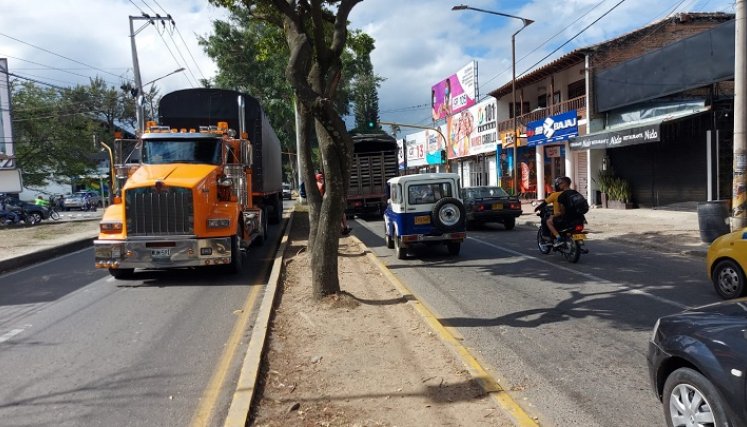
121 273
728 279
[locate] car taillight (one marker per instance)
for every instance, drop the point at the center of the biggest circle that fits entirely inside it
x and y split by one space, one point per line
578 228
481 208
515 206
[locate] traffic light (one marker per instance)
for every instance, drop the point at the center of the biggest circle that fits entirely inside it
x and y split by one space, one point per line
443 157
372 120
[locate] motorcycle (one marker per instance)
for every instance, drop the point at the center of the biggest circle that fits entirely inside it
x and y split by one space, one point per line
572 236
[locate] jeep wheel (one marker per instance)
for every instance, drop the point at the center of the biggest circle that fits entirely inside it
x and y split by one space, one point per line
448 215
398 248
388 239
453 247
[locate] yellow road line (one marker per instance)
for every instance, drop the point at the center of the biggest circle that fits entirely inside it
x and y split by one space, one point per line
210 396
488 383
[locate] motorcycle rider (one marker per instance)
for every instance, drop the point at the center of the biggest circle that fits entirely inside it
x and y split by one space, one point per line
561 217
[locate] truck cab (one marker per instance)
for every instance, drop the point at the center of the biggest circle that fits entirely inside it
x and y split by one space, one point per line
424 209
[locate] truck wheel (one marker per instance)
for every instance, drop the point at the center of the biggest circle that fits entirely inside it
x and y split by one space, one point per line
260 240
237 256
121 273
448 215
277 210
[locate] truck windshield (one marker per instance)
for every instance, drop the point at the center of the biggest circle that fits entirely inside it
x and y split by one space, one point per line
201 151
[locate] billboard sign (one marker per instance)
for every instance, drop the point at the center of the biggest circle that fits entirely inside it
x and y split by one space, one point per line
557 128
6 129
456 93
474 131
424 148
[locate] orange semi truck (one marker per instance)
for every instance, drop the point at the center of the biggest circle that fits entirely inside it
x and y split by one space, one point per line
208 182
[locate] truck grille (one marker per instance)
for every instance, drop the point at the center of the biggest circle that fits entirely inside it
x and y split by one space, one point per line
157 213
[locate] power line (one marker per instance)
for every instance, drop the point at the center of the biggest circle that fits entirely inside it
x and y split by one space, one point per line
58 55
49 67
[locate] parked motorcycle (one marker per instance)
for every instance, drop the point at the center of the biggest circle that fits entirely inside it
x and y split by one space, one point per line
572 237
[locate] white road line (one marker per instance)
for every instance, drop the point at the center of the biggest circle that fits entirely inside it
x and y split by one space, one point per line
10 335
582 274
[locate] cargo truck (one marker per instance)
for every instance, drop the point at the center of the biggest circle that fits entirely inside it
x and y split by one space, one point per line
207 183
374 162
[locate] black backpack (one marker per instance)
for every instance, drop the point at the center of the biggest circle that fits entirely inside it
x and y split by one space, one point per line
575 203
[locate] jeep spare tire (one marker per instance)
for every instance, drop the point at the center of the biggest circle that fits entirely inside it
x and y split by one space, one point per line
448 215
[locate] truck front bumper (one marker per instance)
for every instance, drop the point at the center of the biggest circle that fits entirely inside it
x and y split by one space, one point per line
183 251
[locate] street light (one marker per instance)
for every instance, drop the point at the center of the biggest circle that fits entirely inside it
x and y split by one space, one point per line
178 70
526 22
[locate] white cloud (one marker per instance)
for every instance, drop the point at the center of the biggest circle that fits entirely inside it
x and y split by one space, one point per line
418 42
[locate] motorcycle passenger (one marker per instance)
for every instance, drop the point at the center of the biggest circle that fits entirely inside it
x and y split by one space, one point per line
561 217
41 201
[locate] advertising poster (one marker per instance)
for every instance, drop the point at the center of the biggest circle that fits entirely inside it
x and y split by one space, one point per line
473 131
552 129
456 93
401 153
6 135
415 148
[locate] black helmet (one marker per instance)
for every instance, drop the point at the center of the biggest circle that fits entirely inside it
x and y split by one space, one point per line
560 179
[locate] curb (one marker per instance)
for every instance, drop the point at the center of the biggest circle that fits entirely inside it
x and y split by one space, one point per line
489 384
31 258
241 403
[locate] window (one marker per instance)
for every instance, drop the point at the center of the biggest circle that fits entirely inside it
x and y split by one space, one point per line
577 89
541 97
199 151
418 194
556 98
524 108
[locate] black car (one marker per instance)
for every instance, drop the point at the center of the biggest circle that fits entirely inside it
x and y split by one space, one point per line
490 204
698 361
32 214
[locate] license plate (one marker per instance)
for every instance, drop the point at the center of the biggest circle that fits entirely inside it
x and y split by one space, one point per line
160 253
419 220
578 236
497 206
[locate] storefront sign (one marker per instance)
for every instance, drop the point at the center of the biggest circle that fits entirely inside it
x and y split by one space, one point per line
621 138
552 129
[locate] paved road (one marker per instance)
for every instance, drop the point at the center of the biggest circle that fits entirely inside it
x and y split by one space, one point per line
78 347
569 341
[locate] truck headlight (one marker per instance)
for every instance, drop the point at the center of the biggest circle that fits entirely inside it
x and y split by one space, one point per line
110 227
218 222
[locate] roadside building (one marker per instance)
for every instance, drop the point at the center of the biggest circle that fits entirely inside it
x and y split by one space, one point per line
655 88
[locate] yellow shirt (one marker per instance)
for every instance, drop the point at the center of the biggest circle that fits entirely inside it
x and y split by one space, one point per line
553 198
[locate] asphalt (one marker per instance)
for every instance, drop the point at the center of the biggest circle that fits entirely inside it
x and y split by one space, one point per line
671 232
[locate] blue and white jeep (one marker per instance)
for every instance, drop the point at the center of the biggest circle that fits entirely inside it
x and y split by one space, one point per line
424 208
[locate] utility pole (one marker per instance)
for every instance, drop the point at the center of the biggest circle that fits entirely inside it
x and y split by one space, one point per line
739 180
140 102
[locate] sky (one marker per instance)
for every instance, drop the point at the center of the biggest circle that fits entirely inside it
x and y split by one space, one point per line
418 42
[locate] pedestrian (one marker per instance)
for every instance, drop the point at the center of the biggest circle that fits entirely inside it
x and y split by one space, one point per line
344 229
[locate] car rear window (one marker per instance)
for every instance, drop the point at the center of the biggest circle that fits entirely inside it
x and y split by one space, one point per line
428 193
485 192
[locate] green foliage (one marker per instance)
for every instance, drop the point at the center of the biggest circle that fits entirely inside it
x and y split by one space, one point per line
615 187
54 129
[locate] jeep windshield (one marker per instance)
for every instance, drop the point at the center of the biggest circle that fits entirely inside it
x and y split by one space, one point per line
428 192
180 150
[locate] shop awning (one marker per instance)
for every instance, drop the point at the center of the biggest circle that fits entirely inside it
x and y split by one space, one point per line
635 133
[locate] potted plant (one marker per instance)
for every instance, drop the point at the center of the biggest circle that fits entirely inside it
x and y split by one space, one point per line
619 194
604 181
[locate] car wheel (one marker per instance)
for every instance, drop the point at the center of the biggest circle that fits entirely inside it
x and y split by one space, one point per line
448 214
728 279
691 399
34 218
509 223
